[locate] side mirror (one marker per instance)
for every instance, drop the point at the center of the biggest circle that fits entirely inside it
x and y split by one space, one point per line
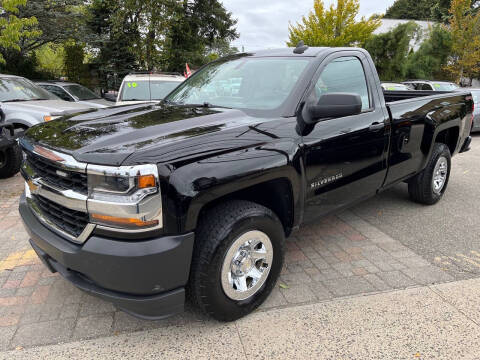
333 105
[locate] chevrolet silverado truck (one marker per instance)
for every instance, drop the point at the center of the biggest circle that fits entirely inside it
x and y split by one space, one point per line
147 205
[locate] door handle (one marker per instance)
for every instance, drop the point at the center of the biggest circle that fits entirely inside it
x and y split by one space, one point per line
376 126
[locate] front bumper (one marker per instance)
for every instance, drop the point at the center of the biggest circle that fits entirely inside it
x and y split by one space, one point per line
145 278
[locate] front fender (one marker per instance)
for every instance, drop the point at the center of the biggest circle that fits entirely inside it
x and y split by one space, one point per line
195 185
22 119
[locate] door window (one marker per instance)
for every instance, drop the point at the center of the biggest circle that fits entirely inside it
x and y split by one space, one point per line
345 74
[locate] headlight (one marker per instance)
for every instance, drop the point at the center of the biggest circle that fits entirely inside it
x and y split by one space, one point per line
124 197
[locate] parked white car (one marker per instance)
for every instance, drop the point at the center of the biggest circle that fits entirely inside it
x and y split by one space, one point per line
144 88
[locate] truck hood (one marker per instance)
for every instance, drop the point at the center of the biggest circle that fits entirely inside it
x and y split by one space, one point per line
48 106
108 136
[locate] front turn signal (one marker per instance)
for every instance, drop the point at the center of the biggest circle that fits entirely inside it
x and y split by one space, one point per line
146 181
130 223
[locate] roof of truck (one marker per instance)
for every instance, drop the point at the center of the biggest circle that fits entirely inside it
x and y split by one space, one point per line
311 51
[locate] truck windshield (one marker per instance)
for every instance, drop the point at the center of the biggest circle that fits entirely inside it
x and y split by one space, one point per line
143 90
18 89
81 92
242 83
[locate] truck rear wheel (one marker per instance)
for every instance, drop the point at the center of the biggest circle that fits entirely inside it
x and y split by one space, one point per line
238 256
429 186
10 160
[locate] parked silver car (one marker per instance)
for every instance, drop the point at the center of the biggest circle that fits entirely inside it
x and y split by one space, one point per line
26 104
73 92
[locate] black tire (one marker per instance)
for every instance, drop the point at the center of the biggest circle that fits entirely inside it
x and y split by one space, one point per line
10 161
217 231
420 187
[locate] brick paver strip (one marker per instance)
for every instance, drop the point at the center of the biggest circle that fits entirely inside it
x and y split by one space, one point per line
338 256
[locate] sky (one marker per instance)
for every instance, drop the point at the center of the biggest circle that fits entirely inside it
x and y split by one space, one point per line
264 23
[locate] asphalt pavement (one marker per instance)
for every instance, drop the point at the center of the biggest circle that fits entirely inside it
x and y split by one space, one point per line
446 234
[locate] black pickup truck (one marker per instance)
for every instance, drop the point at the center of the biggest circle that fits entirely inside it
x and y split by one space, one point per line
142 205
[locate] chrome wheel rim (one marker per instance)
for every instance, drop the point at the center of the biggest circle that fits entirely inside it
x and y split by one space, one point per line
440 175
246 265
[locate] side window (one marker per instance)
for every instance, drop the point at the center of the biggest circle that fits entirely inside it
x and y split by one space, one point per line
426 87
344 74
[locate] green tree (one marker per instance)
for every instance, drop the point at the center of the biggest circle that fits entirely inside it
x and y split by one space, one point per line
74 56
434 10
14 29
335 26
413 9
196 25
429 61
465 29
113 44
58 21
170 33
390 50
50 59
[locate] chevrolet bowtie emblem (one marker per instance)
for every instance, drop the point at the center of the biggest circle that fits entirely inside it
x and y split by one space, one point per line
47 153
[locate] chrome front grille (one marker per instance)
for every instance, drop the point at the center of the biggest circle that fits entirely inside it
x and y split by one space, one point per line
56 191
52 174
70 221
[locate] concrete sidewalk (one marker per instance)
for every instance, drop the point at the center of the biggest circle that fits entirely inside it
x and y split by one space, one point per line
429 322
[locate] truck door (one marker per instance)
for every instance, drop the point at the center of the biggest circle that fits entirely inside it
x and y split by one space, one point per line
345 158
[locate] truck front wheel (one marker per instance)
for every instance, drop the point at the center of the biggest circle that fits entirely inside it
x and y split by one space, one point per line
238 256
429 186
10 160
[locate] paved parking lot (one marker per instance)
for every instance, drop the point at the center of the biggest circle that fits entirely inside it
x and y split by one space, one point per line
341 256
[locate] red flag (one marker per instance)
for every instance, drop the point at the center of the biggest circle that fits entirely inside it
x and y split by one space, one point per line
188 72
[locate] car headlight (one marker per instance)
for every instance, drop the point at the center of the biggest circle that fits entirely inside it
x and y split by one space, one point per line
124 197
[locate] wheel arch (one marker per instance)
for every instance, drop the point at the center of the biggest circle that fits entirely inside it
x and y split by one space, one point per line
275 194
278 188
